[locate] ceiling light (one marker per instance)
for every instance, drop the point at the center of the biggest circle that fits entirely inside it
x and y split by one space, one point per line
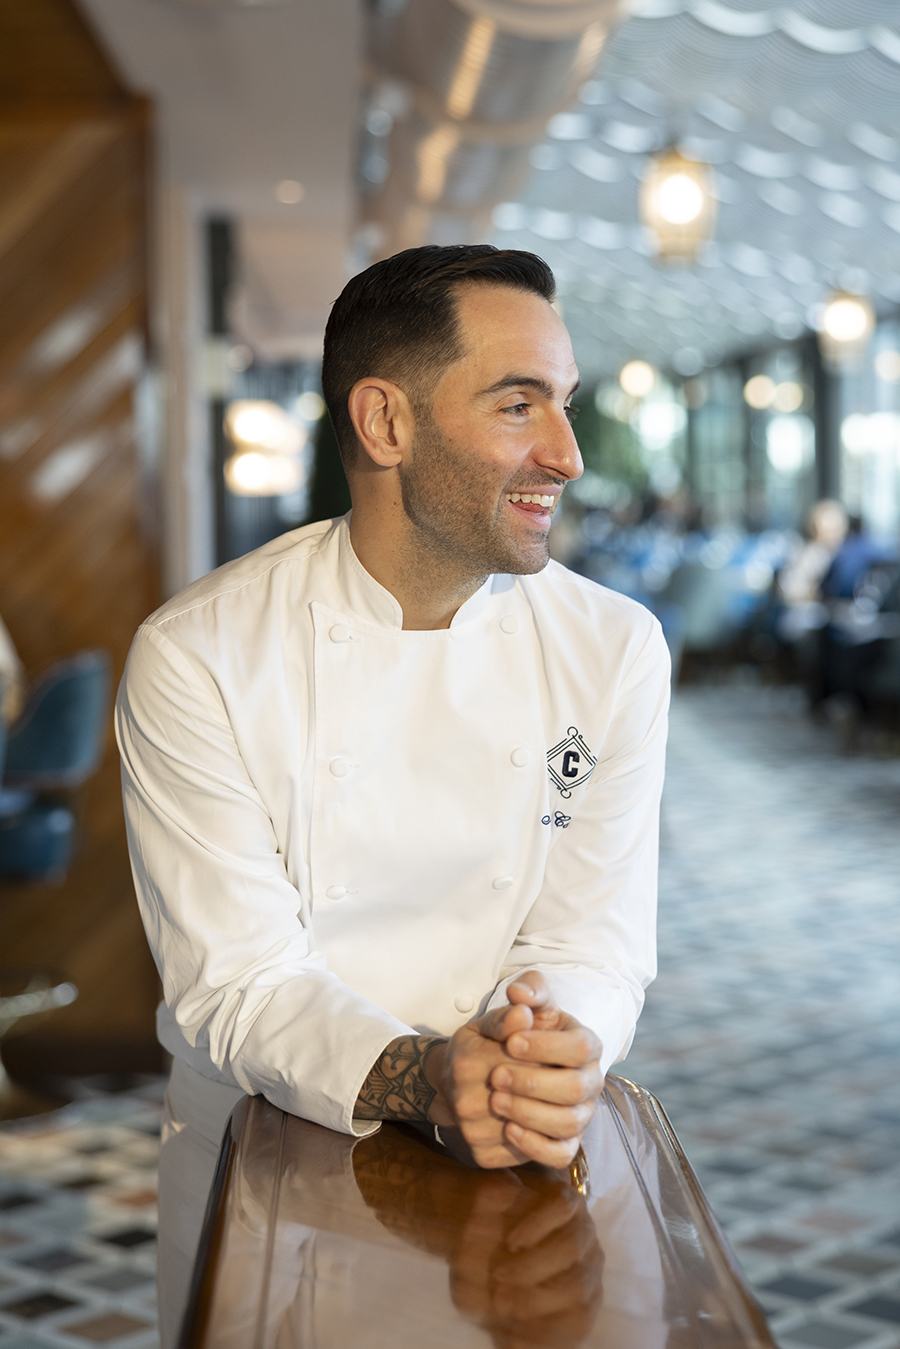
679 199
289 191
677 204
788 396
759 392
637 378
310 406
254 474
789 443
845 326
260 425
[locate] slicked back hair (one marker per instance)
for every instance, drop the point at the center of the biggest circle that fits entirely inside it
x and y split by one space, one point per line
397 320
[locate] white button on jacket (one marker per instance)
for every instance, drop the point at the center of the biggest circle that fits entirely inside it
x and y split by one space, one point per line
262 756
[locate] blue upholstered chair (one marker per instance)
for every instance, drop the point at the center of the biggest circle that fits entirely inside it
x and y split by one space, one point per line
57 741
53 747
37 843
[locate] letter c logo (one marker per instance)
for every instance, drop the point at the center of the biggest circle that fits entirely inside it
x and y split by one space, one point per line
571 760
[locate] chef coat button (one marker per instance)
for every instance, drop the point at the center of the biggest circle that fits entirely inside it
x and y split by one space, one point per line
340 767
502 882
335 892
463 1003
520 757
340 633
509 623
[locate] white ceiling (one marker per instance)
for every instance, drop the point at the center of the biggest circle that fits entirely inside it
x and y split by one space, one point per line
796 103
247 96
796 106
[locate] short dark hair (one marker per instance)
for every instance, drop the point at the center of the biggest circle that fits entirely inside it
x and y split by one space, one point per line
398 320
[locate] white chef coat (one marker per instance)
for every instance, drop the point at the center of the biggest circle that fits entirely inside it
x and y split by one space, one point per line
342 832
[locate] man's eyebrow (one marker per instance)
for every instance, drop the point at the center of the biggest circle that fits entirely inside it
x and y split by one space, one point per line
542 386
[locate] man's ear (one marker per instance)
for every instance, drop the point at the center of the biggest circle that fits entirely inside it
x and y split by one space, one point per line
382 419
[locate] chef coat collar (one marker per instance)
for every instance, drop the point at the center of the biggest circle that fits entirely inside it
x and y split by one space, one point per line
368 598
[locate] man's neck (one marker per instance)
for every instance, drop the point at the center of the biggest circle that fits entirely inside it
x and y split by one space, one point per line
428 588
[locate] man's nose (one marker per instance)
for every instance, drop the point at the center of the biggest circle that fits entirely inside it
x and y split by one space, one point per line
558 450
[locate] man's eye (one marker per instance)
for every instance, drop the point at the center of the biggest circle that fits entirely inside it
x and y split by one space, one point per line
517 408
571 413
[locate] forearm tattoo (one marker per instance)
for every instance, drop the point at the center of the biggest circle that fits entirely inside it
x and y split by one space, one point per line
398 1087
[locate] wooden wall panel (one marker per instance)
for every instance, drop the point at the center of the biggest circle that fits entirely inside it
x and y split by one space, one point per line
49 53
76 567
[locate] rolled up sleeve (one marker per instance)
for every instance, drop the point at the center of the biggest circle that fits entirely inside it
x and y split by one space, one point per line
240 972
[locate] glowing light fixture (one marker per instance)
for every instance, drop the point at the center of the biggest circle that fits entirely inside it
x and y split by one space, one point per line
789 443
759 392
256 474
289 192
310 406
637 378
677 204
845 326
260 425
788 396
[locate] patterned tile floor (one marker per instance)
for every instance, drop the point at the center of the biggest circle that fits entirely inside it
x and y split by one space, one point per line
78 1225
772 1036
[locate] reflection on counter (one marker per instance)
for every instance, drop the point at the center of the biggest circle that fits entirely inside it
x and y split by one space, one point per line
316 1239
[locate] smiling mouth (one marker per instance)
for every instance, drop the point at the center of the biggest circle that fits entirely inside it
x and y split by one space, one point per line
546 501
536 513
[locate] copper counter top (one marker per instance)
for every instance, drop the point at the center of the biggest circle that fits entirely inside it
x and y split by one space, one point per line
315 1240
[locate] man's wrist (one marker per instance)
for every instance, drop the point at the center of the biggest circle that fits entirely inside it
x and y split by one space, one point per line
433 1066
397 1087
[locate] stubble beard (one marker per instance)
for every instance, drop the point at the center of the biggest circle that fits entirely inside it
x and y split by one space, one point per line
438 495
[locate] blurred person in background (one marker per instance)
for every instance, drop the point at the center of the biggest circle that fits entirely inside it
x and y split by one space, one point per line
794 612
859 592
856 554
800 579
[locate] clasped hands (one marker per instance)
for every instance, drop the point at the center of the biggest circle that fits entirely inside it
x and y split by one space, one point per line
521 1082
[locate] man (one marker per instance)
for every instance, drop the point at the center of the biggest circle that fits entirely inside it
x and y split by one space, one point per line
392 782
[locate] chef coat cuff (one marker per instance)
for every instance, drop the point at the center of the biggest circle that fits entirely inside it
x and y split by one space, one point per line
363 1128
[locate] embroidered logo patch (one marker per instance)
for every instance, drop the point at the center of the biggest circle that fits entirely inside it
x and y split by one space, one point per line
570 763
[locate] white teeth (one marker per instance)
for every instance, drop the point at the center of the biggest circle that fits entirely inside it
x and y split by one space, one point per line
532 497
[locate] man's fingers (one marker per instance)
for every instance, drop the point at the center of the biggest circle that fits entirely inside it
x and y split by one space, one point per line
536 1147
555 1121
560 1086
574 1048
503 1022
569 1246
500 1155
542 1220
